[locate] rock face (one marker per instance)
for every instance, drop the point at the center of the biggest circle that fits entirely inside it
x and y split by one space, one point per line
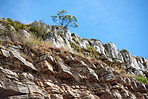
54 73
107 52
55 76
134 65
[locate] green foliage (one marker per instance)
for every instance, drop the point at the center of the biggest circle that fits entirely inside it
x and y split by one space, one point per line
138 93
11 22
75 46
92 50
64 20
1 42
123 50
39 29
142 79
22 26
75 40
137 58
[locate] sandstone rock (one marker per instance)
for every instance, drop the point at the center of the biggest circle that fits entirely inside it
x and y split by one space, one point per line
10 88
19 97
120 79
141 87
34 90
117 95
106 95
25 63
26 77
124 93
8 73
134 85
92 75
128 82
69 93
109 77
56 96
45 67
65 70
53 88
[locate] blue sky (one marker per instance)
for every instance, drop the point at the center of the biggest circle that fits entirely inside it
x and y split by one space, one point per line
123 22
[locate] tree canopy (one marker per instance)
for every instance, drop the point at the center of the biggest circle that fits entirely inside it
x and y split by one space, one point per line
64 20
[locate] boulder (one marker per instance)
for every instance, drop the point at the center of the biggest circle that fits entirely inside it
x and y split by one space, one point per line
114 53
45 67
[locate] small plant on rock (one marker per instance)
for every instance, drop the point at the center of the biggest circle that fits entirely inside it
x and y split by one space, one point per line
142 79
123 50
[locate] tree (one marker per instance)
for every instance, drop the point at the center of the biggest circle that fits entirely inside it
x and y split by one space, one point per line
64 20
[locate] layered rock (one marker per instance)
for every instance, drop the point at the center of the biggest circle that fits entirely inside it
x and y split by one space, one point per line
57 74
61 76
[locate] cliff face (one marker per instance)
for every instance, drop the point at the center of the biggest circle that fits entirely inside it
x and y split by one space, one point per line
60 74
53 73
107 52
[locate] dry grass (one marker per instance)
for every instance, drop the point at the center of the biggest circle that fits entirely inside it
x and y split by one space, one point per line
123 72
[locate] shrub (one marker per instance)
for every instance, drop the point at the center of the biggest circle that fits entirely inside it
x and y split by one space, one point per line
142 79
123 50
11 22
39 29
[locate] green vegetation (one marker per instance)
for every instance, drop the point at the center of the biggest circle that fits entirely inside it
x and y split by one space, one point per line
16 24
138 93
142 79
1 42
39 29
137 58
123 50
64 20
75 40
75 46
92 50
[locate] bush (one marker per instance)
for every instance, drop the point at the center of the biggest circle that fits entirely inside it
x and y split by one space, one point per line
142 79
39 29
11 22
123 50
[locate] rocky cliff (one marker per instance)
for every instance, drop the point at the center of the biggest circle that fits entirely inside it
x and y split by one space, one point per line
72 68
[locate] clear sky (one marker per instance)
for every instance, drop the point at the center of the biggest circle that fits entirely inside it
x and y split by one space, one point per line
123 22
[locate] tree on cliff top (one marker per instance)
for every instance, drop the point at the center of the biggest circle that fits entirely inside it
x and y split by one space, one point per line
64 20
